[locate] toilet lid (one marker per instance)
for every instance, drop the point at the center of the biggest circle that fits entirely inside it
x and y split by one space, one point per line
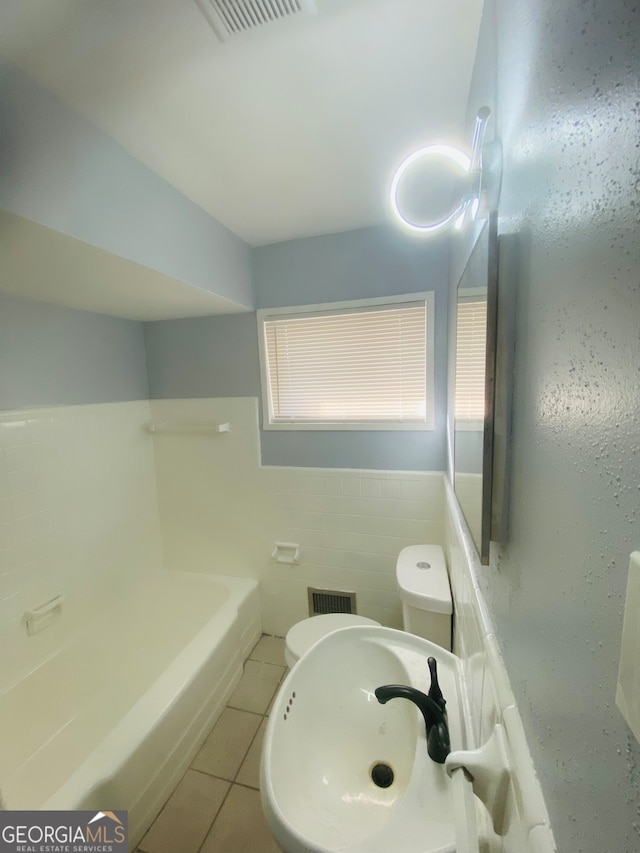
423 580
302 636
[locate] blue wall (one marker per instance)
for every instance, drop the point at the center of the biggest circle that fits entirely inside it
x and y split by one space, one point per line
58 169
53 356
369 262
203 357
218 356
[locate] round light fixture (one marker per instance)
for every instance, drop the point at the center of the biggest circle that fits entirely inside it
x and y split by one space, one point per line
478 196
460 161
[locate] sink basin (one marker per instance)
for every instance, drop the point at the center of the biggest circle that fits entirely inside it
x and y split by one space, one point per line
327 732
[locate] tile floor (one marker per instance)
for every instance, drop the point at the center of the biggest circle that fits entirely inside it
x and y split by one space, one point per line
216 808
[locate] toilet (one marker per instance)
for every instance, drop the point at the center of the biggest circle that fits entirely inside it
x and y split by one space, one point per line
427 608
423 584
306 633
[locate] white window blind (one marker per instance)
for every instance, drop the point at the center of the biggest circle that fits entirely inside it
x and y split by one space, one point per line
470 359
362 365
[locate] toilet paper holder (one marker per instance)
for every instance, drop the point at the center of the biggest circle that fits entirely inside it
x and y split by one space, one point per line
286 552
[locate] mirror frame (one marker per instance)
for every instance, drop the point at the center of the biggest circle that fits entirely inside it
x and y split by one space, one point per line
487 241
489 388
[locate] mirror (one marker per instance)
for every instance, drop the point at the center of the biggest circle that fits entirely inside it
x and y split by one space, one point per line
475 374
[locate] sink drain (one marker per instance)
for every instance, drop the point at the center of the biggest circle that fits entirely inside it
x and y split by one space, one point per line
382 775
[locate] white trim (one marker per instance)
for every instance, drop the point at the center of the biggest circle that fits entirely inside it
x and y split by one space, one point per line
468 425
364 426
426 297
472 294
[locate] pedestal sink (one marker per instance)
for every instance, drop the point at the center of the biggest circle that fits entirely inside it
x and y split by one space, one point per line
329 746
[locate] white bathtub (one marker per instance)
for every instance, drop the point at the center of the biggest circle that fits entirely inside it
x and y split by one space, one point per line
112 720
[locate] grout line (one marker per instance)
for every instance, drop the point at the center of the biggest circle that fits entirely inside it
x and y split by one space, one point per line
211 775
247 753
215 818
166 803
248 787
244 710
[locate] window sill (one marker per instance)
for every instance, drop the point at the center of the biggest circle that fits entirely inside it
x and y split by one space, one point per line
465 425
363 426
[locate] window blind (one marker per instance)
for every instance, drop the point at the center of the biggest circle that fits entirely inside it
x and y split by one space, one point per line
470 359
359 365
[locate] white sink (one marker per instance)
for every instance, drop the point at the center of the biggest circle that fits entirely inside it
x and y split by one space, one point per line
326 732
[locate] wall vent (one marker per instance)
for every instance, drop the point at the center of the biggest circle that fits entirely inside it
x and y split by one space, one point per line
330 601
233 17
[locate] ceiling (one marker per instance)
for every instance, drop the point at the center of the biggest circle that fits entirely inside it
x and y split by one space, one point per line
287 131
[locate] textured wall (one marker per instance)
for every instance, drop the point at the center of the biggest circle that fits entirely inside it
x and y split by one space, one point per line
567 113
54 356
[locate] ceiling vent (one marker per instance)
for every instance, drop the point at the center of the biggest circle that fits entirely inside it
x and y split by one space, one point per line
234 17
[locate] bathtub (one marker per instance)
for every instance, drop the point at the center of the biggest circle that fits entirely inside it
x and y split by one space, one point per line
113 718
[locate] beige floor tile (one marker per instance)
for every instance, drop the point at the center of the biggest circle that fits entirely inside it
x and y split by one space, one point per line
241 826
257 686
269 650
249 773
187 815
224 750
284 675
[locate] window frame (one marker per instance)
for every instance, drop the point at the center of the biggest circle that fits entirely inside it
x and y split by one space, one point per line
426 298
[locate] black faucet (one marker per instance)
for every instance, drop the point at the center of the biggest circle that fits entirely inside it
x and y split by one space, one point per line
432 707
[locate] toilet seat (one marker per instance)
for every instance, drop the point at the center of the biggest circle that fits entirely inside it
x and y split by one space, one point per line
306 633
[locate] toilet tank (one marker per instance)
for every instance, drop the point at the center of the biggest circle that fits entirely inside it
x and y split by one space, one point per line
423 584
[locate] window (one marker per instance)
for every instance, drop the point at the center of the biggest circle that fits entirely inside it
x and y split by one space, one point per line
350 365
471 336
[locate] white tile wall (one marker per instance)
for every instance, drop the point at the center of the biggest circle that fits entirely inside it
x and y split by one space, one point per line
222 512
351 525
78 514
489 692
469 494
